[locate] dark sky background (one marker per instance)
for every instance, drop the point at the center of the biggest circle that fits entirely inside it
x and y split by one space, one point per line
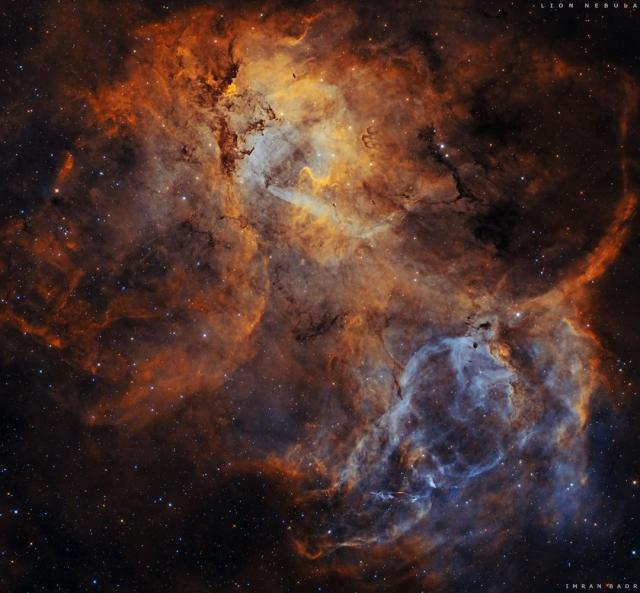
205 485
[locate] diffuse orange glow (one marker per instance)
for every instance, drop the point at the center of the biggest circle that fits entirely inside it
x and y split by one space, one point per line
294 206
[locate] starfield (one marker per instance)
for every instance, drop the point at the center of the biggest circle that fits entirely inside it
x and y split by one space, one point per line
318 297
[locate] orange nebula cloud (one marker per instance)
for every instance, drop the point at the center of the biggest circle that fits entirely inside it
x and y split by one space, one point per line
277 223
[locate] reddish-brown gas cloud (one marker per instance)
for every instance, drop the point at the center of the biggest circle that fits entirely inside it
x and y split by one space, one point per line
374 250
